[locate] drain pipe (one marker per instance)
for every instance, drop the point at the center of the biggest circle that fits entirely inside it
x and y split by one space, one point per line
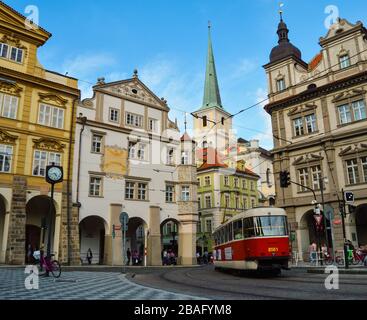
83 121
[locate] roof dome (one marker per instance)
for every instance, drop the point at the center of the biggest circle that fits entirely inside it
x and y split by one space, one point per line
284 48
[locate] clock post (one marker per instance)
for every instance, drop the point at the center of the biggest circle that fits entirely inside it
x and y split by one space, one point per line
54 175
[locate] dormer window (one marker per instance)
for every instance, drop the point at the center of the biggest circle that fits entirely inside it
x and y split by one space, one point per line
281 85
344 61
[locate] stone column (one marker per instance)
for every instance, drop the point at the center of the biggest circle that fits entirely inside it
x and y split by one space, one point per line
154 244
187 243
15 252
113 247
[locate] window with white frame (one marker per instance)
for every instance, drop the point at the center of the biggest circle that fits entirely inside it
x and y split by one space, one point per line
142 151
8 106
97 141
352 170
51 116
142 191
6 154
344 114
244 184
245 205
281 85
344 61
153 125
226 200
252 186
316 176
16 54
95 186
359 110
199 226
129 190
253 203
208 201
138 151
114 115
170 156
184 157
134 120
303 178
226 181
170 193
237 202
185 193
236 182
298 127
42 159
364 168
311 123
207 181
4 49
208 225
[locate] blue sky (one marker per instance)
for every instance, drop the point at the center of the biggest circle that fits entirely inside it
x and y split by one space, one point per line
166 40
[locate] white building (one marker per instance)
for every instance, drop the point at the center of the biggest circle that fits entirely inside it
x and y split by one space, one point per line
126 155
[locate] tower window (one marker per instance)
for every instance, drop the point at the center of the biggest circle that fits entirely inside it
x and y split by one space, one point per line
344 61
281 85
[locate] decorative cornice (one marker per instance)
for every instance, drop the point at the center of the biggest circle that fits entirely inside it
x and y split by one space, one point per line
320 91
47 97
300 109
348 95
7 138
13 42
48 145
10 87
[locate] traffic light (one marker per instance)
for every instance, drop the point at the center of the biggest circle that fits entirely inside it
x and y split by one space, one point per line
285 179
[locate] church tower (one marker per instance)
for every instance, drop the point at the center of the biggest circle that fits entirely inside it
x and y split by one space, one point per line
206 133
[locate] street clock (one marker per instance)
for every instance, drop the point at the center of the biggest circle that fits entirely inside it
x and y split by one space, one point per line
54 174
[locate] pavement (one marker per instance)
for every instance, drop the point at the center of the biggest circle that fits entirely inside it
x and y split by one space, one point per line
78 285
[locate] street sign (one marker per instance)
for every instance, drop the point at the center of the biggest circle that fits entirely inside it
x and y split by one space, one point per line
124 219
349 197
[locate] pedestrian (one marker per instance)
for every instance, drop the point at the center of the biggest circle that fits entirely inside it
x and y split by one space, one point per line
29 254
89 256
198 257
128 254
165 257
313 252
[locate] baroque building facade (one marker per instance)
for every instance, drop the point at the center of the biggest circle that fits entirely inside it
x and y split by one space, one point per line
37 124
318 111
131 158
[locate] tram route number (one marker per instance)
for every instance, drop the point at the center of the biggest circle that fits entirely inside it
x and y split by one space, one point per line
273 250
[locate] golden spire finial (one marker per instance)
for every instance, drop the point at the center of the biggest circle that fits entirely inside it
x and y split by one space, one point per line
281 5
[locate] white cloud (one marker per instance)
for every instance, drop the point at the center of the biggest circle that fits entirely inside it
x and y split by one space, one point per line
242 68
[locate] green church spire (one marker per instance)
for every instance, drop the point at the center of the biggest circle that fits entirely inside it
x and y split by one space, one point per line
211 90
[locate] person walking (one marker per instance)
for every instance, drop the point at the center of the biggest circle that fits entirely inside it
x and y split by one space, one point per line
313 252
128 254
89 256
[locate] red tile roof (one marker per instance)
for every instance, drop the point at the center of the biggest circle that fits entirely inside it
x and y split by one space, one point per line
315 62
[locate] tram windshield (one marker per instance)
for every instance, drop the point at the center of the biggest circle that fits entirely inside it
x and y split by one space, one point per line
270 226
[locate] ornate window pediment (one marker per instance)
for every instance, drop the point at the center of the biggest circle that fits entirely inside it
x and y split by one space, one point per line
50 97
10 87
309 158
352 150
13 42
302 109
348 95
48 145
7 138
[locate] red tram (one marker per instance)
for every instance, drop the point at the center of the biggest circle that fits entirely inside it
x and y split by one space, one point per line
256 239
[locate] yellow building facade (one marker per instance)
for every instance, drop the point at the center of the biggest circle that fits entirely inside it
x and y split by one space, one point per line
37 124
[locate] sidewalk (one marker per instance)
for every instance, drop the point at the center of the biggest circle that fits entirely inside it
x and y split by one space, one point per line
318 269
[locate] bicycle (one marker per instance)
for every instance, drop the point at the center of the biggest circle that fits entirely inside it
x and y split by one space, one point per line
49 265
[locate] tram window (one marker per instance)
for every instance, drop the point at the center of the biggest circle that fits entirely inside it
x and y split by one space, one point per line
248 228
226 234
237 230
271 226
230 232
221 236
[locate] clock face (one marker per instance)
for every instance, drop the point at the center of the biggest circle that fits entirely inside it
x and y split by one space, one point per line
54 174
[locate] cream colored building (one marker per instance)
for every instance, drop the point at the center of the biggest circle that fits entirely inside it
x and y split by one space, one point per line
259 161
131 158
318 111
